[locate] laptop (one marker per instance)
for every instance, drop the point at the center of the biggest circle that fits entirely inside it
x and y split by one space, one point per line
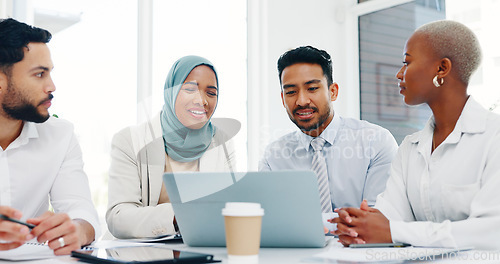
292 213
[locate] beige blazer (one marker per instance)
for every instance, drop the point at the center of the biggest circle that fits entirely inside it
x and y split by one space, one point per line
135 179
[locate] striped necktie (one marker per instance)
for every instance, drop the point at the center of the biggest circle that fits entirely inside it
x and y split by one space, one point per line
319 167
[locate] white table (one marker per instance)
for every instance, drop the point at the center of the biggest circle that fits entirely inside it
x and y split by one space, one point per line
272 255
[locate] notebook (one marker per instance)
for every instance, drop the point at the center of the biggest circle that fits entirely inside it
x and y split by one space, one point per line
31 250
292 214
28 251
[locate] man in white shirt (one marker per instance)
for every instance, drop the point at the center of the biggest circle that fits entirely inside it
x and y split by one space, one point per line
40 158
357 154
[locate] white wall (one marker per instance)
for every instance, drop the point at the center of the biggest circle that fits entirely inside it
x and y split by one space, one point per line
3 8
276 26
6 8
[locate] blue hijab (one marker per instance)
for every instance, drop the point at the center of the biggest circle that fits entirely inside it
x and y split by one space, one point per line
181 143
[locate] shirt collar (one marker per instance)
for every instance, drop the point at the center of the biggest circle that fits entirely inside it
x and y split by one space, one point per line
28 131
472 120
328 134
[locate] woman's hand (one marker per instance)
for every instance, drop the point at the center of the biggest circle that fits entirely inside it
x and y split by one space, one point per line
363 225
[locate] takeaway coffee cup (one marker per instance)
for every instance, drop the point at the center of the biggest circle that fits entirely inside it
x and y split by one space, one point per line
243 223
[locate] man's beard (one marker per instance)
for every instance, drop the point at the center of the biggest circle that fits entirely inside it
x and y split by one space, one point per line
18 107
321 121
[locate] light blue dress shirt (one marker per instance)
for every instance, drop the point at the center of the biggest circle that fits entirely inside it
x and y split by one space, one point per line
358 157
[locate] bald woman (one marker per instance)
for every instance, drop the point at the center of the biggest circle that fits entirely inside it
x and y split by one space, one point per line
444 182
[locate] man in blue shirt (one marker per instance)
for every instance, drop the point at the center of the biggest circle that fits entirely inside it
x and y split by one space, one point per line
357 154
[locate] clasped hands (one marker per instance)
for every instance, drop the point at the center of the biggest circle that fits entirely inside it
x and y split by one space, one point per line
361 225
62 234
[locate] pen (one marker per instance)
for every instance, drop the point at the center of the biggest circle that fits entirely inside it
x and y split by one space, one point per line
379 245
4 217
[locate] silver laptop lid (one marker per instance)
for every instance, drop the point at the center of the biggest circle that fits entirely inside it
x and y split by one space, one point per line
290 200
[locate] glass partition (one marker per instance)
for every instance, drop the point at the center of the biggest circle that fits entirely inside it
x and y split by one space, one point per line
382 36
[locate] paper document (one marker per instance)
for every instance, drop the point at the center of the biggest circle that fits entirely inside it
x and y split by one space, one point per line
387 254
28 251
168 238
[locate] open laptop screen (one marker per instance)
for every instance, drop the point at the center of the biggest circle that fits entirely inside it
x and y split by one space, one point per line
290 200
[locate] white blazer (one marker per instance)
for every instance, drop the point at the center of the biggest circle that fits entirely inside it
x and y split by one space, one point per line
135 179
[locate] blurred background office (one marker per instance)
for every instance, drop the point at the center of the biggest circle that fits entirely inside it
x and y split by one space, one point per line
112 56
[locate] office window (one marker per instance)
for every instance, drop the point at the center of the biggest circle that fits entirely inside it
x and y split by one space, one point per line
482 17
94 49
215 30
382 36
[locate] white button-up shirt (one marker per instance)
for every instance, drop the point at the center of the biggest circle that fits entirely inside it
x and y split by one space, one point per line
44 164
358 157
449 198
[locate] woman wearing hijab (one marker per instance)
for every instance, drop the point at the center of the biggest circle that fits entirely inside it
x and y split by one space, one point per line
180 138
444 182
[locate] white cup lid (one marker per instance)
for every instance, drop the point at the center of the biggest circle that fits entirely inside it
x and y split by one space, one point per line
242 209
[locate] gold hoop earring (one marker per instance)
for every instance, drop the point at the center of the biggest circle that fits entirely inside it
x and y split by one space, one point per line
436 83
